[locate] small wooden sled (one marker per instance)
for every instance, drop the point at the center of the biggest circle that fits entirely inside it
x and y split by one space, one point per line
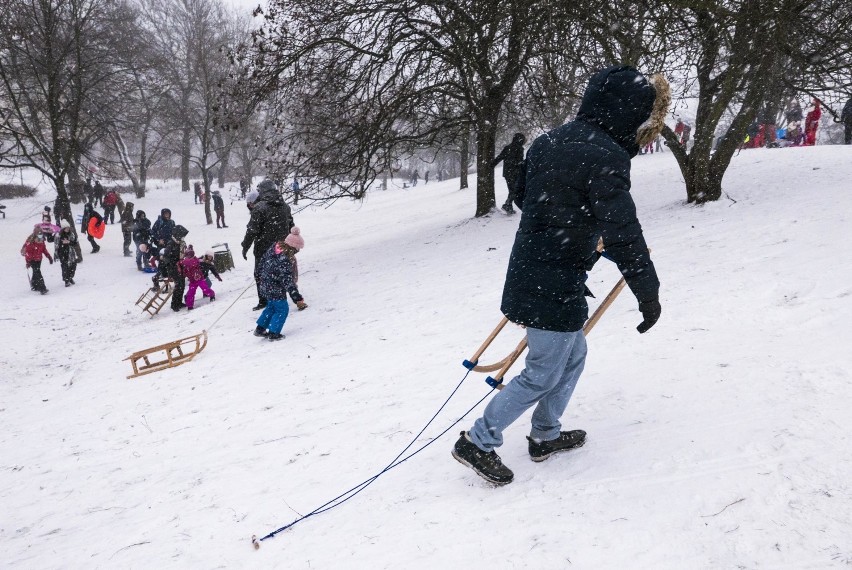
167 355
154 299
502 366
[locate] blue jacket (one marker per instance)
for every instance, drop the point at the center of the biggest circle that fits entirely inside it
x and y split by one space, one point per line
277 277
576 189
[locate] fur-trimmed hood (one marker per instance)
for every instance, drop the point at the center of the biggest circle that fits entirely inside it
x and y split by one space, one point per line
619 100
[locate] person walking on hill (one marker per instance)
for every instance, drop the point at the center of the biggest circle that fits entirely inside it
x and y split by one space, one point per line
576 191
812 123
512 157
127 220
270 221
99 194
89 214
110 201
66 252
846 118
33 250
219 208
278 277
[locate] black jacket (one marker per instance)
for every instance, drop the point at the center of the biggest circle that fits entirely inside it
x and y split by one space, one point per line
846 114
141 229
512 156
277 277
163 228
89 213
576 189
218 203
270 221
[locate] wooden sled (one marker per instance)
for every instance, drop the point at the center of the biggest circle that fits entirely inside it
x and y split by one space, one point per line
167 355
154 299
502 366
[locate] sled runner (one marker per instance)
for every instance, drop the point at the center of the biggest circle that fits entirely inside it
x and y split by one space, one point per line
502 366
155 298
167 355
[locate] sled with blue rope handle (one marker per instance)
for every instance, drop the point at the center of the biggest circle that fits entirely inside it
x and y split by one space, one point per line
502 366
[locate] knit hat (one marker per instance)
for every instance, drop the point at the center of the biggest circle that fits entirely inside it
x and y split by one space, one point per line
208 253
252 197
295 240
189 252
64 224
267 185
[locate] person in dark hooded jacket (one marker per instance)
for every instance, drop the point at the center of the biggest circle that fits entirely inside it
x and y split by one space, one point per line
270 221
161 233
575 192
141 233
126 221
89 213
512 157
846 118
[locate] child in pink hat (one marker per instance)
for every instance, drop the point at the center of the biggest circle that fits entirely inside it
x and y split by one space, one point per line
278 277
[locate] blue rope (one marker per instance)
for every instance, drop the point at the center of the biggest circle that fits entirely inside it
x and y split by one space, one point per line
345 496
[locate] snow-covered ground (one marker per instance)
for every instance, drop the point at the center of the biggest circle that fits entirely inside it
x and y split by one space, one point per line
720 439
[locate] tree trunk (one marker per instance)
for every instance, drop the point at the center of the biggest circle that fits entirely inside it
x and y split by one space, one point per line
184 159
464 157
205 175
486 135
143 165
223 168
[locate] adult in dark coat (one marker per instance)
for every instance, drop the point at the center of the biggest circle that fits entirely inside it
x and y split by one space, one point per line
141 234
512 157
846 117
270 221
89 213
219 208
126 220
576 190
161 233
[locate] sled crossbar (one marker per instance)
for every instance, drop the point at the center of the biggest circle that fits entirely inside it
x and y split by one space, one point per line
502 366
167 355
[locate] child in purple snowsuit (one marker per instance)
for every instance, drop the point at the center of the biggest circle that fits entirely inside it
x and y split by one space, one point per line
190 267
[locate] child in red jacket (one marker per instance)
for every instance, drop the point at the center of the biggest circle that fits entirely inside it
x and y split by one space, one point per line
190 267
33 250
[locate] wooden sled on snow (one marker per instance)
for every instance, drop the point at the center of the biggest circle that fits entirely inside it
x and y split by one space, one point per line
155 298
167 355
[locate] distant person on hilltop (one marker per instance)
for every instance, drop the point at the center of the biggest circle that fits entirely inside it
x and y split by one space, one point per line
578 185
512 157
812 123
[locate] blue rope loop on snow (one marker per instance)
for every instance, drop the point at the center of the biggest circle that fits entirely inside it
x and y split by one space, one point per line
470 365
397 461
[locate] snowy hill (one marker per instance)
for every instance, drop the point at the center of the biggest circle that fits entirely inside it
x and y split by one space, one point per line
720 439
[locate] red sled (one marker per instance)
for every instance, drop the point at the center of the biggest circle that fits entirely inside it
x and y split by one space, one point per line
96 231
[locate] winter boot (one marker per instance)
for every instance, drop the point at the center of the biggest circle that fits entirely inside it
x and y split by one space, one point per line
486 464
508 208
67 283
260 331
541 450
275 336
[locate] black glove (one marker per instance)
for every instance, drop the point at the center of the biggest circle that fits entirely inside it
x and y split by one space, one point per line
245 253
650 314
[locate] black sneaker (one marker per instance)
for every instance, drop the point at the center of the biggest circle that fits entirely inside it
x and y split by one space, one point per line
486 464
260 332
274 336
541 450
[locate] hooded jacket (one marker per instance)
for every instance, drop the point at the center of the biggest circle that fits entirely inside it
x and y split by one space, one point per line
141 228
270 220
512 156
162 229
575 190
278 276
127 217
